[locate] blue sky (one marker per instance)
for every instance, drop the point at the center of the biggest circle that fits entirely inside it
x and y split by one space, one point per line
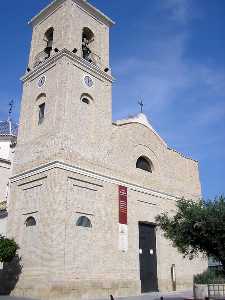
169 53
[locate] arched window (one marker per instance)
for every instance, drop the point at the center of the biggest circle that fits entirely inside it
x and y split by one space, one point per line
87 99
87 40
49 41
84 222
41 99
30 221
144 163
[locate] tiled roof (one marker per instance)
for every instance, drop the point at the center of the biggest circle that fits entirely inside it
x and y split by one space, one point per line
8 128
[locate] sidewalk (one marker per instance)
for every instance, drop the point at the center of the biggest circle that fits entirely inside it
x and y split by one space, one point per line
187 294
180 295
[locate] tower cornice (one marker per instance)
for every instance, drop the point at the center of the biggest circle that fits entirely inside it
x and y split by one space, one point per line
54 5
80 62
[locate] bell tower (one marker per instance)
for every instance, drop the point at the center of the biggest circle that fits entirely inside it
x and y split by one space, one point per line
57 209
66 102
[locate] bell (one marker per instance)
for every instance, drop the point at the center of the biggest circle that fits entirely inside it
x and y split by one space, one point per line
48 49
49 43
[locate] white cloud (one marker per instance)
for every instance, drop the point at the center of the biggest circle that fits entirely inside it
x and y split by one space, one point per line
161 78
178 10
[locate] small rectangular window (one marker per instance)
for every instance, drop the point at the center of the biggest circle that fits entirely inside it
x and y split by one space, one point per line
41 113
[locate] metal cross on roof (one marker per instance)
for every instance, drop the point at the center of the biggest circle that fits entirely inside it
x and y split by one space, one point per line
141 105
11 103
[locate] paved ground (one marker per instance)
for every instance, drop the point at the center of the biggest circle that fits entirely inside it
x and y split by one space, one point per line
13 298
148 296
188 294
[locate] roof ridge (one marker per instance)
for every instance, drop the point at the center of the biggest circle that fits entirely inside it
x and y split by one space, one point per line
142 119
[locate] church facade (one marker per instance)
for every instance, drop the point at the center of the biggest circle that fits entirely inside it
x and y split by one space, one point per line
85 191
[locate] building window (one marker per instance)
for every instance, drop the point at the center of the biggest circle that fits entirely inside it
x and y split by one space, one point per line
30 221
84 222
47 44
87 99
87 40
144 163
41 113
49 41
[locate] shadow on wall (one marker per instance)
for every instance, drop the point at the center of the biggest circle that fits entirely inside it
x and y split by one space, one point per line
9 275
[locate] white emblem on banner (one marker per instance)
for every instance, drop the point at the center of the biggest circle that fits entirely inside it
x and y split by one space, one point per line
123 237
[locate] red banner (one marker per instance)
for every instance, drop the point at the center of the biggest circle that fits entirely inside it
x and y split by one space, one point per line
122 205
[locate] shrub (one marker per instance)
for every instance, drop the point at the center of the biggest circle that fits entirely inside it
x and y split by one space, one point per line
8 248
210 276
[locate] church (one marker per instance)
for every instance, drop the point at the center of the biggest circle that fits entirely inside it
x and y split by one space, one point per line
85 190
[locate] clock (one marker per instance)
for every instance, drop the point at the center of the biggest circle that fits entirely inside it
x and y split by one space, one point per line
41 81
88 81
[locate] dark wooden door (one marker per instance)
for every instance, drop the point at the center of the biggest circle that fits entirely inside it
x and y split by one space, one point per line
148 258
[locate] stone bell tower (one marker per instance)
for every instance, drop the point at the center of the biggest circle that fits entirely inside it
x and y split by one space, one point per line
66 103
65 128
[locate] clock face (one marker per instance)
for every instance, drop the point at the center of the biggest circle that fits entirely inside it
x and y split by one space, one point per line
41 81
88 81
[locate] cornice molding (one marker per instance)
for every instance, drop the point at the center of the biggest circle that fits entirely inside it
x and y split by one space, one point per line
48 10
95 12
45 12
78 61
94 175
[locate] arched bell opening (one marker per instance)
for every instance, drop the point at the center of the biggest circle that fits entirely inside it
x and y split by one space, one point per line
87 43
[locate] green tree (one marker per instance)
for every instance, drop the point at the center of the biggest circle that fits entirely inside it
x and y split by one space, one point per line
197 227
8 248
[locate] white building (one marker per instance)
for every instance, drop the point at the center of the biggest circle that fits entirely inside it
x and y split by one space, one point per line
8 133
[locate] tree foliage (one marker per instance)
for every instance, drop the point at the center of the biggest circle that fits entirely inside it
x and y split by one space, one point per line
197 227
8 248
